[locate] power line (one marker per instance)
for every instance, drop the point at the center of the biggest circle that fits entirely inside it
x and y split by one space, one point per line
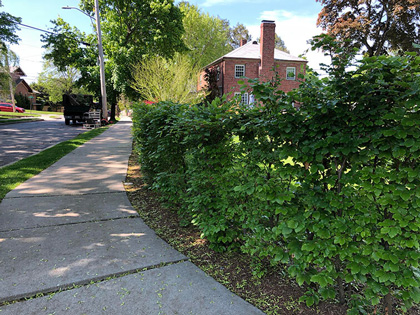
45 31
36 28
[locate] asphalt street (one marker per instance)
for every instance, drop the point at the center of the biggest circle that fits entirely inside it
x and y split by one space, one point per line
21 140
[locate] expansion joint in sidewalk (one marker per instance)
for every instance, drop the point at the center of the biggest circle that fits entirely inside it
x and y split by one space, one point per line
70 195
71 223
93 281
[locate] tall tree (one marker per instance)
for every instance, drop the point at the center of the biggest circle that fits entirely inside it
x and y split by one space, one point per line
374 26
8 27
205 36
56 82
279 44
160 79
69 47
131 30
8 59
237 33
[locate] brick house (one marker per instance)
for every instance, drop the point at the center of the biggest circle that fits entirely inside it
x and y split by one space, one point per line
255 60
22 87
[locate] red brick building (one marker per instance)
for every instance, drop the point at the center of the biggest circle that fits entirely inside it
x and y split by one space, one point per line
22 87
255 60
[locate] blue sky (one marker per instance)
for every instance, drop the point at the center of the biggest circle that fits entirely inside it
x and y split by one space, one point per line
295 23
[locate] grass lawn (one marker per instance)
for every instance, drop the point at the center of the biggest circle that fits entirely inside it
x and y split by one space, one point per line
13 175
38 113
31 113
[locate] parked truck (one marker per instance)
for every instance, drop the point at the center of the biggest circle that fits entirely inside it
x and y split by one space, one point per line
77 106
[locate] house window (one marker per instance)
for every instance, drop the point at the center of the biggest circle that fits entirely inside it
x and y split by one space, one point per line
239 71
244 97
217 74
291 73
251 100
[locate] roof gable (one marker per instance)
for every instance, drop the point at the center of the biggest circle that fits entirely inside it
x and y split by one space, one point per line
17 70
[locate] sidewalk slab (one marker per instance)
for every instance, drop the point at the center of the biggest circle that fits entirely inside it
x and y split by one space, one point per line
99 165
180 288
54 257
74 179
33 212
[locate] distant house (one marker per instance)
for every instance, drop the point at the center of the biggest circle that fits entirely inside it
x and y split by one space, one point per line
22 87
255 60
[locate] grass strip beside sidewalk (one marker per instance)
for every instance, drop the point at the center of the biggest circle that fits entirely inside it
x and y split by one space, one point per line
13 175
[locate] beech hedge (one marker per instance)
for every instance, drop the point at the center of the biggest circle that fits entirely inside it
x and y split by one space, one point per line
329 189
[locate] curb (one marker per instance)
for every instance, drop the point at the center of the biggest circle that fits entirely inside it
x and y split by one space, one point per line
11 122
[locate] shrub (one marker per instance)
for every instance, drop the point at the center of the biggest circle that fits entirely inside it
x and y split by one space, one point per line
329 190
22 101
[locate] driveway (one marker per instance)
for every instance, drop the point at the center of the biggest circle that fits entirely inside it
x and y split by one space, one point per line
21 140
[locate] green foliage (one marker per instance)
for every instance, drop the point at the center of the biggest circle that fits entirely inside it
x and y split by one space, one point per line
22 101
211 87
157 78
8 58
134 29
55 83
8 28
236 34
130 29
205 36
329 190
278 43
64 50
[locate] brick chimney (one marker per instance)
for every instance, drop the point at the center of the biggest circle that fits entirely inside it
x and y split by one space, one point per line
243 42
268 31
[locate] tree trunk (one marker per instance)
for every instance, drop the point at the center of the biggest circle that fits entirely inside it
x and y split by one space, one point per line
341 294
113 106
388 304
12 95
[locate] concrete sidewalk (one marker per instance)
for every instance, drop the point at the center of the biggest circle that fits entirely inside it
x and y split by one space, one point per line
72 233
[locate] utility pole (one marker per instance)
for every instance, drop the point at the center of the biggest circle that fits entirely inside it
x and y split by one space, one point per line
101 62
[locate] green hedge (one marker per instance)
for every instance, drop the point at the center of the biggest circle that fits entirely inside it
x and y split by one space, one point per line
330 190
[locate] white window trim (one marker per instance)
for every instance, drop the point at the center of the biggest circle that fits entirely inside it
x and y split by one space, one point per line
244 97
236 77
289 69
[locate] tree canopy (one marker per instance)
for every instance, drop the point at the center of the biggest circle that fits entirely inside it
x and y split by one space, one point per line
279 44
131 30
56 83
207 37
160 79
8 28
69 47
375 27
237 33
8 58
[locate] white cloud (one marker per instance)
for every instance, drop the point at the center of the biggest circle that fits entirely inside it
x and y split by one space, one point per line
295 31
30 60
